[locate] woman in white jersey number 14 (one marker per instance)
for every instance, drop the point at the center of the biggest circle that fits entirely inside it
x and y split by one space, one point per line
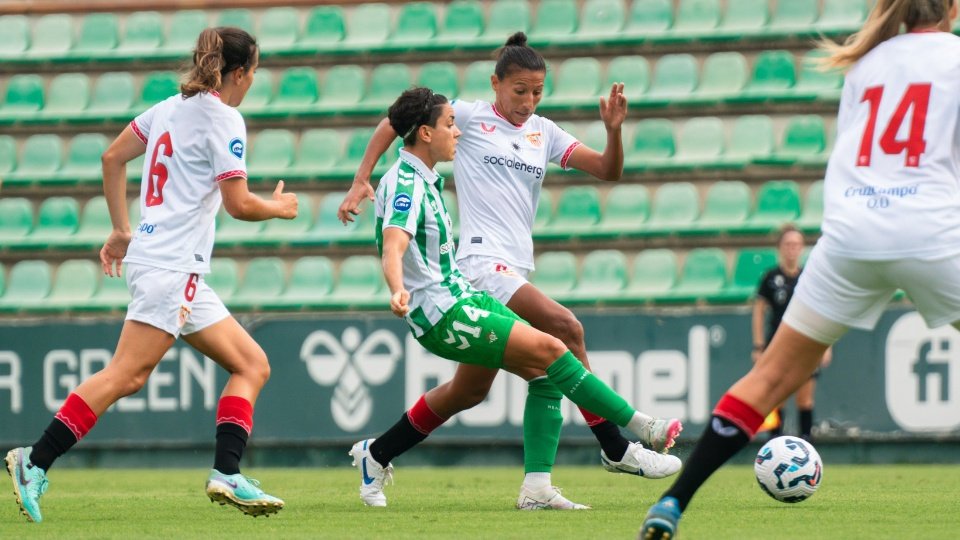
194 144
499 170
891 220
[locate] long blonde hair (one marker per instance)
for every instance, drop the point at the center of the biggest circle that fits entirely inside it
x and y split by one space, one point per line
882 24
219 51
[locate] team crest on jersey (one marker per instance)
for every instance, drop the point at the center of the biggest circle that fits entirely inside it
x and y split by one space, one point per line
236 148
401 202
535 139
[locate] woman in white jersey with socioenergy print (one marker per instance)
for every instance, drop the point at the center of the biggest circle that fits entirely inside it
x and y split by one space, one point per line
891 220
499 170
195 147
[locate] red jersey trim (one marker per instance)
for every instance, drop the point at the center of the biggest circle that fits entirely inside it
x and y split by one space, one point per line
231 174
496 112
568 153
137 132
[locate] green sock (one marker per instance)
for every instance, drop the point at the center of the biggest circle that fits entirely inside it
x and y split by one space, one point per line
587 391
542 422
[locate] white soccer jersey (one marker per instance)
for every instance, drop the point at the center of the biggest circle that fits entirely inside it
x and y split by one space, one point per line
499 170
192 144
891 188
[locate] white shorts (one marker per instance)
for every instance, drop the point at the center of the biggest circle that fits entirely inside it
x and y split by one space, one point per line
494 276
854 292
175 302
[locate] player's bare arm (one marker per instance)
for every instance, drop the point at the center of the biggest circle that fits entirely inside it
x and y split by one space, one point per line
361 189
609 164
241 204
395 242
124 148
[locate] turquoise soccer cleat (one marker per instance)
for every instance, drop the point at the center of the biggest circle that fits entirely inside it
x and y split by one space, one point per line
661 521
29 482
242 493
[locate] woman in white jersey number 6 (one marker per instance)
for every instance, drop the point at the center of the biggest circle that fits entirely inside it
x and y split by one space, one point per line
499 170
891 220
195 147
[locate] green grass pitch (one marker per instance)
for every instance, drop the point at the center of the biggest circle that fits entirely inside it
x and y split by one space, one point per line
868 502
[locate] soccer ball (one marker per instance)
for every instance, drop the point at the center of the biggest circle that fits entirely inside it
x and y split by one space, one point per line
788 469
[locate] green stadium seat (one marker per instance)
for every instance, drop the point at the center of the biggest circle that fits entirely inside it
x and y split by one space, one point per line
111 294
812 216
298 91
778 202
749 267
343 88
386 83
240 18
185 27
674 77
286 231
627 210
262 283
654 275
8 155
271 154
653 145
260 95
52 37
416 26
675 209
578 84
556 274
751 138
356 146
40 159
143 36
324 30
648 19
476 80
774 76
360 283
599 20
231 231
633 72
544 215
95 224
74 286
578 212
725 75
311 280
57 222
16 221
24 97
28 286
113 97
796 17
701 143
462 25
15 30
318 153
816 84
158 86
603 277
726 208
279 30
704 276
83 158
68 97
224 278
441 77
555 24
505 18
804 142
696 19
368 27
99 35
595 136
744 18
841 16
327 228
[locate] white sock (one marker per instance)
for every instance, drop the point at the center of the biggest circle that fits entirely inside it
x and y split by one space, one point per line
537 480
638 424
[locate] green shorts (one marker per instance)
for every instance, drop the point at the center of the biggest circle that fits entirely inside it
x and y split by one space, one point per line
474 331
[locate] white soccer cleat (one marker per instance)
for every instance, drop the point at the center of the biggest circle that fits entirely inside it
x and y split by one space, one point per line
660 434
545 498
373 476
642 462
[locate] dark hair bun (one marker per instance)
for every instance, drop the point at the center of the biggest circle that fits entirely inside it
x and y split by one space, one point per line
518 39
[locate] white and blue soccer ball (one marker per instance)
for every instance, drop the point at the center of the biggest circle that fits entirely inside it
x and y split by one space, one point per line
788 469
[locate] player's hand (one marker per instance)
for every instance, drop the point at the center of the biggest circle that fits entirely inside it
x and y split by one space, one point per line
400 303
287 203
613 109
113 252
350 206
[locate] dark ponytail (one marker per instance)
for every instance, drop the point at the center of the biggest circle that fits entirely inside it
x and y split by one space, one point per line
414 108
219 51
515 55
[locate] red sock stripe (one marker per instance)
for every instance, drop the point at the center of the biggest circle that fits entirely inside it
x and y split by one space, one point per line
77 416
740 414
235 410
591 418
423 418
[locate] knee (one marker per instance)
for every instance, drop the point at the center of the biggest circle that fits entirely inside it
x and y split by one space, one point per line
568 329
259 368
552 348
131 384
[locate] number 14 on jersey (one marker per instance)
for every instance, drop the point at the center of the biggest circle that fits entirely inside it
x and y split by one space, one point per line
917 98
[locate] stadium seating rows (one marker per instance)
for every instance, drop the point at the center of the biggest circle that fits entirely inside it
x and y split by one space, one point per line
424 26
652 144
675 79
630 212
34 285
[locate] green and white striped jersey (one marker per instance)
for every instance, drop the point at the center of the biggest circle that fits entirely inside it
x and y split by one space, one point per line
408 198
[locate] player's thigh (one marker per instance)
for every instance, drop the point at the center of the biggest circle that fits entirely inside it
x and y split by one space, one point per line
472 332
541 311
933 286
228 344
